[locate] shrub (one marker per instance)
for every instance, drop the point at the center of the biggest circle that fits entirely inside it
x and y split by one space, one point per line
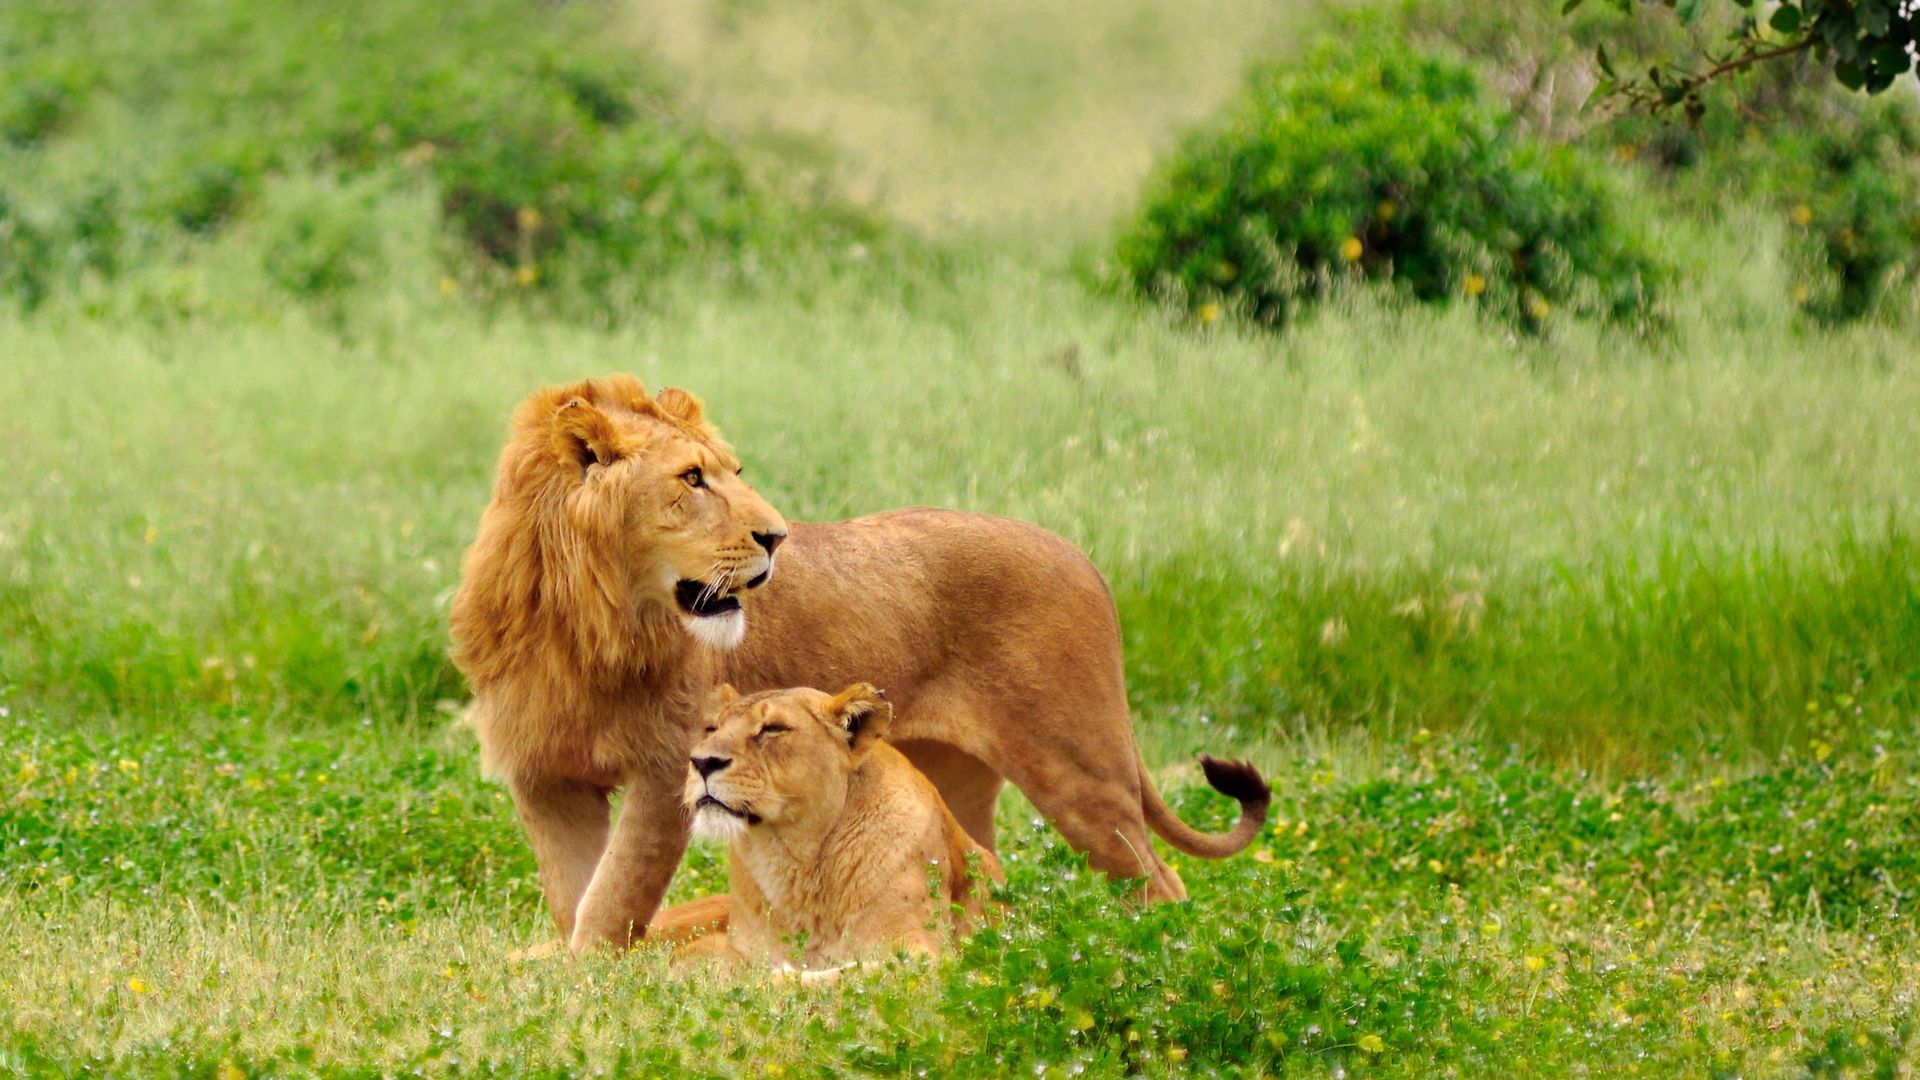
319 239
1387 166
26 255
1843 169
552 147
31 110
1849 183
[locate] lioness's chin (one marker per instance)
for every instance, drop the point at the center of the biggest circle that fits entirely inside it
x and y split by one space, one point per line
724 631
717 825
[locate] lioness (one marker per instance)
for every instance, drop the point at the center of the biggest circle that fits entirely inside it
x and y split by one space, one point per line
623 569
838 845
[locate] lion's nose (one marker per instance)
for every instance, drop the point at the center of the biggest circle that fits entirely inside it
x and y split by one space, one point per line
707 766
770 540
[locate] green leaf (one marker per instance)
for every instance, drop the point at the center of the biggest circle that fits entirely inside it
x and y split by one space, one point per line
1873 18
1849 74
1691 10
1786 19
1568 7
1601 58
1889 60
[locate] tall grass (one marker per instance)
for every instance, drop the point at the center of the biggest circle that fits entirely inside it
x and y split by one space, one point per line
1383 517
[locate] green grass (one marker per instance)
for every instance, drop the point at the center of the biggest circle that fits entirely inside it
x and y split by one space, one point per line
1585 666
343 901
1608 546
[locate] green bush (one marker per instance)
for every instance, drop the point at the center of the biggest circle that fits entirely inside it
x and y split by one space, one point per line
31 110
320 239
552 147
26 255
1843 169
1849 183
1390 166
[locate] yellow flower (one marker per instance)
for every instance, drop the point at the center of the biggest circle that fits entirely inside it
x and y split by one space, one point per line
128 766
229 1071
1208 313
1387 210
526 276
1176 1054
1538 307
139 985
153 535
1079 1019
528 218
1535 963
1351 249
1801 215
1372 1044
1801 294
1474 284
448 286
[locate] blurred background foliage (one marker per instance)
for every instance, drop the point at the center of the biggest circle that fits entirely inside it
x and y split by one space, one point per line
552 152
563 153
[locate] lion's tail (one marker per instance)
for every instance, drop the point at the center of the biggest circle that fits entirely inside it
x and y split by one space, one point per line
1238 780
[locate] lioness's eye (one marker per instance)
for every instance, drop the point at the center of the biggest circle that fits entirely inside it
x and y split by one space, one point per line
774 729
694 478
711 729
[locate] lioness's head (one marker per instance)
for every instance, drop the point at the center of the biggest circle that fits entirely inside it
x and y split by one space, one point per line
615 511
780 758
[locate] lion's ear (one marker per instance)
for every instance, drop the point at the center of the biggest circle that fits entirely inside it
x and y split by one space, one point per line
863 713
720 697
680 405
583 436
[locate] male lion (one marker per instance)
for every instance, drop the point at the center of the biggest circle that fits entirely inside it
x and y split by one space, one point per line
622 571
836 841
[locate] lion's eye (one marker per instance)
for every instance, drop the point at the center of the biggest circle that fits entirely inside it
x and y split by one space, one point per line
694 478
774 729
711 729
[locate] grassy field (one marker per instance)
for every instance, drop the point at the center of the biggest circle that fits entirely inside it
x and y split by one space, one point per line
1585 666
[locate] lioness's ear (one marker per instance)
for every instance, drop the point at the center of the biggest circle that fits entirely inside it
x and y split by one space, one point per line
863 713
721 697
583 436
680 405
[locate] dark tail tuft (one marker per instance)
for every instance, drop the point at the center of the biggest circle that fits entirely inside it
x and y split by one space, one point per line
1237 780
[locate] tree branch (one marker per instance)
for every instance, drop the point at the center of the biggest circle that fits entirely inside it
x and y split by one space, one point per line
1749 60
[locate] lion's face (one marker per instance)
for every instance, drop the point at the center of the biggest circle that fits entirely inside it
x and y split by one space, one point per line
660 492
780 758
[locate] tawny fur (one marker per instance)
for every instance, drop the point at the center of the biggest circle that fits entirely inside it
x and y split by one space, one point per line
841 850
997 643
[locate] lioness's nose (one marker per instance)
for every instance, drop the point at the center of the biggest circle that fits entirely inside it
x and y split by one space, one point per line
770 540
707 766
